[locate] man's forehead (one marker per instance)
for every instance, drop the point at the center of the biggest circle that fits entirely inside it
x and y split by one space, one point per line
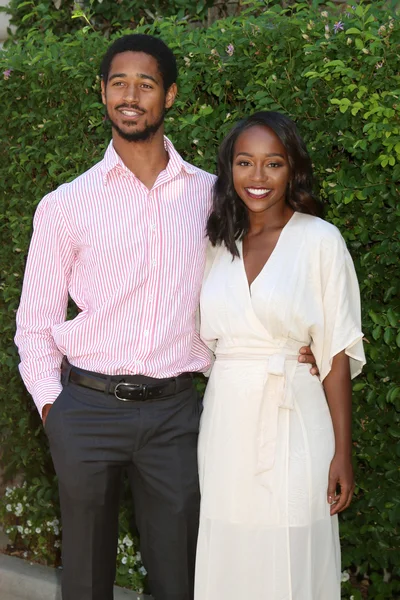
134 60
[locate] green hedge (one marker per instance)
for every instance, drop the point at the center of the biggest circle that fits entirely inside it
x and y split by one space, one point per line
340 82
64 16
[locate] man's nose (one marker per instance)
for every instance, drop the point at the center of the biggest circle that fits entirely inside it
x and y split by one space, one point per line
132 93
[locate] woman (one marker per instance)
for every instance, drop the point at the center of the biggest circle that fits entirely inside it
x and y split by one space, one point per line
275 442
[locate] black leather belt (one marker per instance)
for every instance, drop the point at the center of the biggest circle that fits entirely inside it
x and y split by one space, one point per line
127 388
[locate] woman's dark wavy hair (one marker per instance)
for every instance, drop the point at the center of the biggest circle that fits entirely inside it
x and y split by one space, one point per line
229 220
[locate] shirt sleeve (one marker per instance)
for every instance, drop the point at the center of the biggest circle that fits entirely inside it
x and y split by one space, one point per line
44 302
210 342
340 325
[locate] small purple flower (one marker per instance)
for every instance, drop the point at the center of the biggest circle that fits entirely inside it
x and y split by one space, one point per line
7 73
230 49
338 26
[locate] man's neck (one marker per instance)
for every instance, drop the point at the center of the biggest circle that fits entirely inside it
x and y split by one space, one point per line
146 159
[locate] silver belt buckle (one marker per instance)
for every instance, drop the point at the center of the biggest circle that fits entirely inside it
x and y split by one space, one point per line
134 385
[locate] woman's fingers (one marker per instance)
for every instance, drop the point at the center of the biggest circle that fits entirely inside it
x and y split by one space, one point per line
341 501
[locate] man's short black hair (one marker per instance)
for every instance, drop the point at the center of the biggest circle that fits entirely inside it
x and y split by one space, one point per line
139 42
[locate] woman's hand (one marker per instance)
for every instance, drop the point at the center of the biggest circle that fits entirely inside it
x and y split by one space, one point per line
340 475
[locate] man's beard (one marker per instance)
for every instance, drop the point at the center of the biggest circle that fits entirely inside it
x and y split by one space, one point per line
139 136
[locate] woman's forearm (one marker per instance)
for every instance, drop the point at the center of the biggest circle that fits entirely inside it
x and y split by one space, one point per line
337 386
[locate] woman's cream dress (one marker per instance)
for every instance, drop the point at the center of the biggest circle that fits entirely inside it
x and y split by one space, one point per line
266 436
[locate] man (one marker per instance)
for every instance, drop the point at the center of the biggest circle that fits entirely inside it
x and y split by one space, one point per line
125 241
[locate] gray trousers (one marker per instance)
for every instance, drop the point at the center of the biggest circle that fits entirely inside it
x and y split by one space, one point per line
93 438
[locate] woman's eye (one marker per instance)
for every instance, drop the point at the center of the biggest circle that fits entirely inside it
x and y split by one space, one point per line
243 163
274 165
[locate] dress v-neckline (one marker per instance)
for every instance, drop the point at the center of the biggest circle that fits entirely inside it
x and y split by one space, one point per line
240 245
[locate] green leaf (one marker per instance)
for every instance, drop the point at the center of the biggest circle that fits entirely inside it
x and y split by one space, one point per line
359 386
392 318
388 335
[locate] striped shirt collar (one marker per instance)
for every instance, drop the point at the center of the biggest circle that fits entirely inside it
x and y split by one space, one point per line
112 161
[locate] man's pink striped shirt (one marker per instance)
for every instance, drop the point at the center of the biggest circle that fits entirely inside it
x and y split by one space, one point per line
132 260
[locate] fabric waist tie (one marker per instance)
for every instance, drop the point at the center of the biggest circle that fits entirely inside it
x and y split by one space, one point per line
277 394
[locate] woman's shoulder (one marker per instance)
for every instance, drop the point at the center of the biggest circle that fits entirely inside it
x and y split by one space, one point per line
318 229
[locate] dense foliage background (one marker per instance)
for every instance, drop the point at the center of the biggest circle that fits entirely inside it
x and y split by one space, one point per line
337 75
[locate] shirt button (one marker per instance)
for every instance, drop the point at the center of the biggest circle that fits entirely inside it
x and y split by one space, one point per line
150 298
154 262
153 226
146 333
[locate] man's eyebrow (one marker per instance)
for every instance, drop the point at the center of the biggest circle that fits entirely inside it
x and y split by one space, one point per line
141 75
266 155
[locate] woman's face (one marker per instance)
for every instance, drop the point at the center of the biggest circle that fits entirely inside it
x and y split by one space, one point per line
260 169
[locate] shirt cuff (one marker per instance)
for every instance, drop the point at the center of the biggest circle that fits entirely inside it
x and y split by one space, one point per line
46 391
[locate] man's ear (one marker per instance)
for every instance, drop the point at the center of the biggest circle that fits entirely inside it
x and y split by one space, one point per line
103 92
171 95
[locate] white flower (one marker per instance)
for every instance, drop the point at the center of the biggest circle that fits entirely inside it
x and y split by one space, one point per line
26 531
130 571
138 556
349 41
124 560
38 530
345 576
324 14
8 508
195 141
142 571
57 544
127 541
29 523
20 529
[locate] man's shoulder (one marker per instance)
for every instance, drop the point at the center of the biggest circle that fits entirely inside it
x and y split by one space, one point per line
200 173
78 187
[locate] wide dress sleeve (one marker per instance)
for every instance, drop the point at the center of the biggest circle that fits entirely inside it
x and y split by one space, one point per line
339 327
